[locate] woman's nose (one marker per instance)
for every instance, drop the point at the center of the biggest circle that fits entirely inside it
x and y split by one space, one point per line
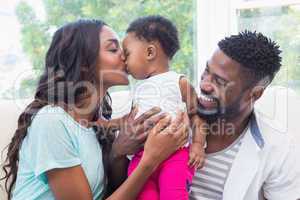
123 57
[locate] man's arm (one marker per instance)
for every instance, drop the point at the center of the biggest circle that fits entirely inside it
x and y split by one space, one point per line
131 137
117 161
162 141
107 125
117 173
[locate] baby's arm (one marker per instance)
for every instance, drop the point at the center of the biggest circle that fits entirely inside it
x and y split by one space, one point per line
189 96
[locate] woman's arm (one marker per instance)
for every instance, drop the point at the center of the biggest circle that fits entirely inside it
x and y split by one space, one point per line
69 184
163 140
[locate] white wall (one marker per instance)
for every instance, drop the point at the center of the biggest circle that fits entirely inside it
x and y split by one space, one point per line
215 20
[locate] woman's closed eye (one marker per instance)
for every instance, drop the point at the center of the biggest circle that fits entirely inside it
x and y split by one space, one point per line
113 46
113 50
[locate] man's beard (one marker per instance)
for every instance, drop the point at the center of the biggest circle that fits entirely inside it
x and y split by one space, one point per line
220 112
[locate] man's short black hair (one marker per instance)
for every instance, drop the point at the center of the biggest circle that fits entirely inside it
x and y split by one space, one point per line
255 52
155 27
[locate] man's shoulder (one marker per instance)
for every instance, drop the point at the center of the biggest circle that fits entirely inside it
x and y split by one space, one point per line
274 133
280 168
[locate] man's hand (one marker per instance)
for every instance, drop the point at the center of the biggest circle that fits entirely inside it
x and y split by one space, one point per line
133 132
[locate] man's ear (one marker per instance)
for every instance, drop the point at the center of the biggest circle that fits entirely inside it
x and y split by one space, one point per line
259 89
151 52
257 92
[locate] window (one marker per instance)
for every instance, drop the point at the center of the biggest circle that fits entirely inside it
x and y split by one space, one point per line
30 25
278 19
281 22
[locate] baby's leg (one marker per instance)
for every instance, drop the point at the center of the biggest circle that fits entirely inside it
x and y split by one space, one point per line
175 177
150 189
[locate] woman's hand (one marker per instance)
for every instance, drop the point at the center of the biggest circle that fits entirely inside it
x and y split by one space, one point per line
133 132
165 138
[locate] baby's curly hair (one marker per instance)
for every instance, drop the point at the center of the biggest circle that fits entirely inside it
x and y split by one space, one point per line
255 52
156 27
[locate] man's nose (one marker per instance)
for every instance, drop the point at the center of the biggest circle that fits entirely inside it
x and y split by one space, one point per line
206 84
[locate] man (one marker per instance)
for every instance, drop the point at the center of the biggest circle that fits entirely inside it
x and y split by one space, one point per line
246 158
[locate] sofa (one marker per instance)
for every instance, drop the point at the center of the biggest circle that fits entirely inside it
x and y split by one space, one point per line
278 104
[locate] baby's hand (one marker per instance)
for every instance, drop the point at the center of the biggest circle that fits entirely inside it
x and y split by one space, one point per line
197 155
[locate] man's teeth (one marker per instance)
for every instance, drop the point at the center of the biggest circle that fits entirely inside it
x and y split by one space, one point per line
205 98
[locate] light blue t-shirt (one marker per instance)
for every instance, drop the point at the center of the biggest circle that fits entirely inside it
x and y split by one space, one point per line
56 140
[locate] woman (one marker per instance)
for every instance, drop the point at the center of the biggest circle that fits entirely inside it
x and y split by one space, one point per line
54 154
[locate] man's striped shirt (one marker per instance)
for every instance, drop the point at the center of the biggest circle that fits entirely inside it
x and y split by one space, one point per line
209 181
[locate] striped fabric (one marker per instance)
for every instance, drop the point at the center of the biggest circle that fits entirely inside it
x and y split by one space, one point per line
208 182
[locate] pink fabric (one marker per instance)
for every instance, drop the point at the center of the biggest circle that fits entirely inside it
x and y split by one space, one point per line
171 180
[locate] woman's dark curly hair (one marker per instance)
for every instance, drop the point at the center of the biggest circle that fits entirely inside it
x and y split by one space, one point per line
71 59
155 27
255 52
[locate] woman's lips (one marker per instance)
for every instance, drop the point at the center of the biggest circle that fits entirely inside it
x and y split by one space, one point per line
126 69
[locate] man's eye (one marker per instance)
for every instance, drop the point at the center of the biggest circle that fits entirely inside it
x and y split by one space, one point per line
221 82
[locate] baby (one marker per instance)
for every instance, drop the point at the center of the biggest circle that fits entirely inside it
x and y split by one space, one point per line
149 45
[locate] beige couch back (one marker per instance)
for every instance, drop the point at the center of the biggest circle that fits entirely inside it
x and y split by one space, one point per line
9 112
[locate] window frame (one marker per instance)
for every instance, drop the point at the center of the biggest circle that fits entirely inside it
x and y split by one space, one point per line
218 19
264 3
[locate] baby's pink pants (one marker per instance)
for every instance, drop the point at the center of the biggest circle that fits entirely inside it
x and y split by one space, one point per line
171 180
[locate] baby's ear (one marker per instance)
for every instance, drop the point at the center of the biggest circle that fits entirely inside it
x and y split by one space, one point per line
151 52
